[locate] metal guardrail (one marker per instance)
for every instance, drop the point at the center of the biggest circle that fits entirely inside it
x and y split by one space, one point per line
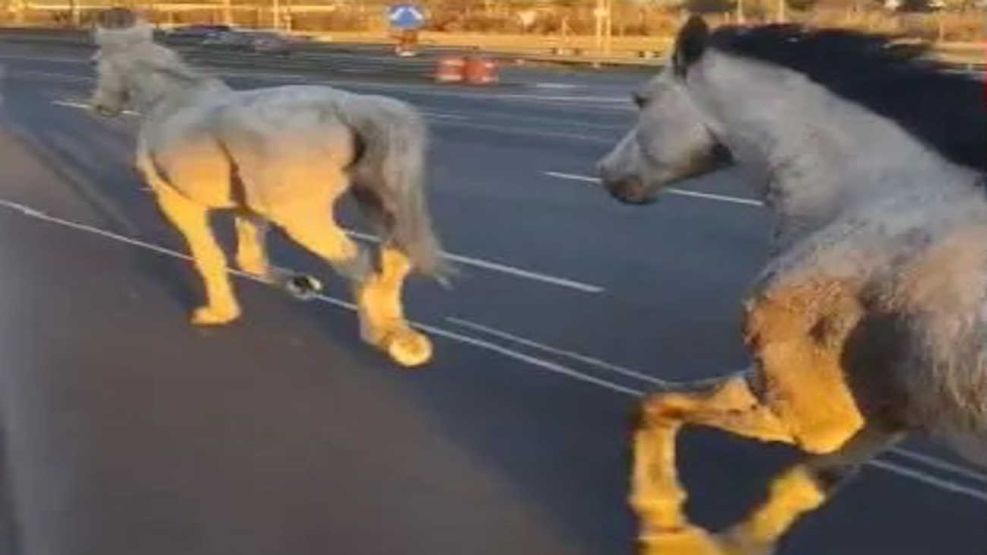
310 54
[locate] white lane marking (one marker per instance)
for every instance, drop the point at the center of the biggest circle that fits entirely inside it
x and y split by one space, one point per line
46 59
15 73
930 480
84 106
462 259
558 86
592 361
541 363
440 115
945 485
670 190
528 132
599 102
503 268
939 464
453 119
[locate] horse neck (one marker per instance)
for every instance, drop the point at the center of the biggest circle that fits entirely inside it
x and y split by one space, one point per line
163 76
811 154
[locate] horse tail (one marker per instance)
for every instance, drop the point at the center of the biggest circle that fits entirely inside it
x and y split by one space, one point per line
392 141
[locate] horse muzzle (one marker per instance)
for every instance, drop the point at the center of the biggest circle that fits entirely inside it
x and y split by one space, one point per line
106 111
630 191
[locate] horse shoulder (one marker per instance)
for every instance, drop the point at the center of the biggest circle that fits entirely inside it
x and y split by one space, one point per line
796 332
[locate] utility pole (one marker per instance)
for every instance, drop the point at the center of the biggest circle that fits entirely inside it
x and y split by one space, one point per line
598 29
275 14
74 9
228 12
740 12
604 27
781 11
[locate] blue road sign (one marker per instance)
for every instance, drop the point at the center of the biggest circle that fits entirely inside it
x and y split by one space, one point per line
406 16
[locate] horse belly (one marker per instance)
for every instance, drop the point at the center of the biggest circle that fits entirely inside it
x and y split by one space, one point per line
199 170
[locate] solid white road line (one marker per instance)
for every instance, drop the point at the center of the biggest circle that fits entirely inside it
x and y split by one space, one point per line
939 464
499 267
671 190
592 361
27 211
929 479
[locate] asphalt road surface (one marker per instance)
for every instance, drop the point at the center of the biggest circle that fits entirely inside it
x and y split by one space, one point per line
127 431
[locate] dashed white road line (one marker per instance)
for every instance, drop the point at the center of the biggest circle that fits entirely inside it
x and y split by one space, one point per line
671 190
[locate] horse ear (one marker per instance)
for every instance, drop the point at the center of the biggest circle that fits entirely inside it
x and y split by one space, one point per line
121 27
116 18
690 44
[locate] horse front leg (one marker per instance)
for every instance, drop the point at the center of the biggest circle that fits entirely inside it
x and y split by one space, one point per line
251 249
378 295
656 494
803 488
252 258
192 221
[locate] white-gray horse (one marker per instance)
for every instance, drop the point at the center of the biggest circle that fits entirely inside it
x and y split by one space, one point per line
870 321
281 155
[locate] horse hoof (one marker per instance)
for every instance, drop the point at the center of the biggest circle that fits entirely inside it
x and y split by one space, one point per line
302 287
737 542
690 540
208 316
409 348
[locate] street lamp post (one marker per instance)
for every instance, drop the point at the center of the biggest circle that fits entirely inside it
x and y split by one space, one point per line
604 26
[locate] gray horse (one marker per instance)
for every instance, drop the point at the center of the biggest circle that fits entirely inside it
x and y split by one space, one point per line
870 321
283 155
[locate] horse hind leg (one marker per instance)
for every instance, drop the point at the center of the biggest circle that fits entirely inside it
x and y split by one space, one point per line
193 222
385 324
382 322
656 494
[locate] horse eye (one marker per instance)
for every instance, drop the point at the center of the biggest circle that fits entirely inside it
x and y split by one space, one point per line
639 100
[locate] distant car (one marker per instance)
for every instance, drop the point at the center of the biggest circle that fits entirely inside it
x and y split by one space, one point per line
197 32
271 43
251 41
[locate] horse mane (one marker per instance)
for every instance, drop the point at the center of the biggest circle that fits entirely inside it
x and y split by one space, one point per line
173 68
945 111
